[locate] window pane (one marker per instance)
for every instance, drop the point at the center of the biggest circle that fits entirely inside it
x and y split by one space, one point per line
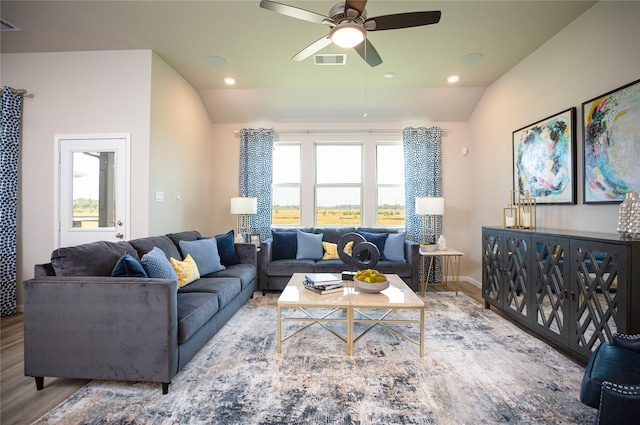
286 205
390 206
338 206
338 164
390 164
93 189
286 164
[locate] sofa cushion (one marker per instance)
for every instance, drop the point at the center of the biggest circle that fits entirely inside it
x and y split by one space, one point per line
288 267
194 310
226 288
128 266
331 250
92 259
186 270
227 249
394 247
145 245
285 245
245 272
205 254
333 234
157 266
309 246
378 239
189 235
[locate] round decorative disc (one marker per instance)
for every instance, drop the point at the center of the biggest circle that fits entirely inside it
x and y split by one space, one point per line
356 238
365 255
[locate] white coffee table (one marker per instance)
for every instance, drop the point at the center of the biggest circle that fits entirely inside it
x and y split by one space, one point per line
353 303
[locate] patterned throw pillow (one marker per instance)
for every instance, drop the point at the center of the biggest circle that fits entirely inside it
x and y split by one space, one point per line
186 270
205 253
157 266
331 250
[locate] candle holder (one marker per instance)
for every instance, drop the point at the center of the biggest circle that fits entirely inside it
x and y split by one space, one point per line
522 213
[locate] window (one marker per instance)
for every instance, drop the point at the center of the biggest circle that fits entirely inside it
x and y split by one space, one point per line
328 181
338 184
286 184
390 187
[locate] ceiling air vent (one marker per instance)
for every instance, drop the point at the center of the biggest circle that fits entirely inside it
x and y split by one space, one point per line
8 26
330 59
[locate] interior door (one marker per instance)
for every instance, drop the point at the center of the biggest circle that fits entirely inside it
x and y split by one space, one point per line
92 188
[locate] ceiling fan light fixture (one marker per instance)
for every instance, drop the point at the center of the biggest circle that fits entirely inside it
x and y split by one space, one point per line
347 34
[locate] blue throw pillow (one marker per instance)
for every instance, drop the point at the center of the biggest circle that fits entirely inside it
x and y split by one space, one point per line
128 266
378 239
205 253
309 246
157 265
227 249
284 245
394 247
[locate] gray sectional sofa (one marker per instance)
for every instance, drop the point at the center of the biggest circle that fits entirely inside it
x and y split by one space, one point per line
280 255
80 322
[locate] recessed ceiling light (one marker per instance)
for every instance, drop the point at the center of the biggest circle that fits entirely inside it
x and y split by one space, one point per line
389 74
453 78
229 81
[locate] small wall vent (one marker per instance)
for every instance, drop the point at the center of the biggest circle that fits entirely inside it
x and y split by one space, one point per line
8 26
330 59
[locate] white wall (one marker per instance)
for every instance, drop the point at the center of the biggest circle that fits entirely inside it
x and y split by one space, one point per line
180 160
596 53
75 93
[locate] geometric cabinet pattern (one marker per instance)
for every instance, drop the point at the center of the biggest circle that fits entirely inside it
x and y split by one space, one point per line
575 290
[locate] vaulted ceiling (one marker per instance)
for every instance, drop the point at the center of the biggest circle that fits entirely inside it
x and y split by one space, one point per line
257 44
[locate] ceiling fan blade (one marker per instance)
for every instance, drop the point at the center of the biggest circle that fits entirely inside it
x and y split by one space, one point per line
402 20
357 5
294 12
368 53
312 48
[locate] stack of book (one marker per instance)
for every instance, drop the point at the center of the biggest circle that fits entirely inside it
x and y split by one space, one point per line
323 283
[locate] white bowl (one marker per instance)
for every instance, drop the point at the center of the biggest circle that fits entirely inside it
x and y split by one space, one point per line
370 288
429 248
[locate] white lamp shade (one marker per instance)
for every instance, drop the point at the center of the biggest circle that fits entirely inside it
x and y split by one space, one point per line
429 205
347 34
244 205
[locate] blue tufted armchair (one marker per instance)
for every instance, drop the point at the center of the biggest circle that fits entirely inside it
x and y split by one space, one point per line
611 381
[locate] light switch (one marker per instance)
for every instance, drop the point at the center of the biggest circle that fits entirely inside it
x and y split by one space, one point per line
159 196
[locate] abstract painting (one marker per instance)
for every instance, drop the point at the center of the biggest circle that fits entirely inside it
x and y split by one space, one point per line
544 158
611 147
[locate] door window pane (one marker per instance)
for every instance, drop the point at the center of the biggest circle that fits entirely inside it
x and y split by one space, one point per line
93 189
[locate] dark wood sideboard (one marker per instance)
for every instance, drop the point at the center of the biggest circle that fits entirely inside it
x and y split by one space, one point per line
574 289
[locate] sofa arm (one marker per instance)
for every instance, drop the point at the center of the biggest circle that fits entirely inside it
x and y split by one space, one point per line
630 342
266 248
619 404
101 328
412 254
246 253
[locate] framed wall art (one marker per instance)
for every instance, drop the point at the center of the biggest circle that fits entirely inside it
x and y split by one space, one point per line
544 159
611 145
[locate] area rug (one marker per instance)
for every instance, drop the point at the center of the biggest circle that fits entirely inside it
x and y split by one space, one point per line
478 368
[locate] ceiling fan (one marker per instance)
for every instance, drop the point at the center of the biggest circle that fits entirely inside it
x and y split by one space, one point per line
349 24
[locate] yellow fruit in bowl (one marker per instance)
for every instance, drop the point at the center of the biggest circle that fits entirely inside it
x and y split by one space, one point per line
370 276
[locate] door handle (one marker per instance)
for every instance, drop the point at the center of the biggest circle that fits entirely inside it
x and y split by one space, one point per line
119 235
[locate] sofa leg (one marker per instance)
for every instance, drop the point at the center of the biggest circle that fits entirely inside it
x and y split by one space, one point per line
39 382
165 387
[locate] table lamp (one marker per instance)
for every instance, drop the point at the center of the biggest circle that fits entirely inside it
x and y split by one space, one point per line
429 207
244 207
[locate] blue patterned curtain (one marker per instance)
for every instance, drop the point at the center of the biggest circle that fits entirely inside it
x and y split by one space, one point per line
10 154
423 177
256 173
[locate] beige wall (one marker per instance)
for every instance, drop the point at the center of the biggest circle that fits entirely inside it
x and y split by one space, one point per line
596 53
180 160
132 92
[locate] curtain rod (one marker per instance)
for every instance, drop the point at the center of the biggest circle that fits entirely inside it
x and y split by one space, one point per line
23 92
443 131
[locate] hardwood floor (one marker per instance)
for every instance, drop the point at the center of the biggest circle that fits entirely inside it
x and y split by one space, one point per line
22 404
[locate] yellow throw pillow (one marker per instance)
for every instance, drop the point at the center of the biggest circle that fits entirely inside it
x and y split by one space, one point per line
186 270
331 250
